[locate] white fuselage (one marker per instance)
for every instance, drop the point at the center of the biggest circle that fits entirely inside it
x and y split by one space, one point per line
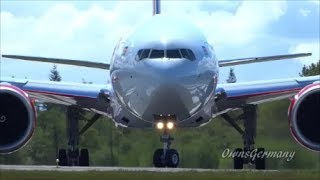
166 67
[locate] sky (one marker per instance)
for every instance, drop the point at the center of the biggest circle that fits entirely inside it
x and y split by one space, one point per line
89 30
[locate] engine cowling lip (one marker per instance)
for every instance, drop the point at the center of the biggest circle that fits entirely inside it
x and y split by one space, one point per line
21 95
293 109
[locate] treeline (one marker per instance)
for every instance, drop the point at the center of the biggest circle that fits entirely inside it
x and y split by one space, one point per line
198 147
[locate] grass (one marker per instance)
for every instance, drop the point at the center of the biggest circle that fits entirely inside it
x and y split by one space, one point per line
117 175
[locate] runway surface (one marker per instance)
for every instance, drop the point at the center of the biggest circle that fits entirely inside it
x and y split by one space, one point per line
130 169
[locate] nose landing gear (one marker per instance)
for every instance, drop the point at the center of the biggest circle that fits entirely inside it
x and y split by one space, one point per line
166 157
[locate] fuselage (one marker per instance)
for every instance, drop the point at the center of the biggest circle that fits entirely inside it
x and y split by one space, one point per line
165 67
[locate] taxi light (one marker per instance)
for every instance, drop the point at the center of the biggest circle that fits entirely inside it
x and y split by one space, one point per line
160 125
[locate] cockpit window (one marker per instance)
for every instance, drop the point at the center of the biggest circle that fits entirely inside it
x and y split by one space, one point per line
157 53
188 54
173 53
143 53
139 52
170 53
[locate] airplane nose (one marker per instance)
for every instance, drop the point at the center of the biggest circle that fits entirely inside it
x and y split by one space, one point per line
162 86
167 99
176 87
164 67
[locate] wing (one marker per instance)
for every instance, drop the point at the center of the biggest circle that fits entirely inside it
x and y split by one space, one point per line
95 98
60 61
234 95
232 62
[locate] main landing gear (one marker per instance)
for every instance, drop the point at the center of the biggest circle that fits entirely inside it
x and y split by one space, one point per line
74 156
248 154
166 157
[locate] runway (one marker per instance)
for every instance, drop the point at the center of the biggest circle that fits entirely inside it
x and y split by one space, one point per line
128 169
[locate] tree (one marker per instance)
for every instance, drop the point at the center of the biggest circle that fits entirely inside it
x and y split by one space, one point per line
311 70
232 77
54 76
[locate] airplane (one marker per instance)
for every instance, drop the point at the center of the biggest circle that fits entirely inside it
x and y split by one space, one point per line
163 81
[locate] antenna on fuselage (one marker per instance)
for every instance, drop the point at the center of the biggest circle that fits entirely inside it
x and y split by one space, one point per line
156 7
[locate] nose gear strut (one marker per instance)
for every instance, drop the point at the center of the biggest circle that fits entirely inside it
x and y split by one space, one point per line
166 157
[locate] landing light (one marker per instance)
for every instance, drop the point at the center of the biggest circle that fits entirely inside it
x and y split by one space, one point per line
160 125
170 125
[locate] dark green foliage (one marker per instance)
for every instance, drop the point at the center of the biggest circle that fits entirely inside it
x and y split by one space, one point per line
54 76
311 70
232 76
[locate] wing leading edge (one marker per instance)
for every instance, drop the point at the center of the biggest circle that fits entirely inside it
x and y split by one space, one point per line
60 61
232 62
234 95
87 96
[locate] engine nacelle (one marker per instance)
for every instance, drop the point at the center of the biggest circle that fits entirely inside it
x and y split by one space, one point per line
17 118
304 117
